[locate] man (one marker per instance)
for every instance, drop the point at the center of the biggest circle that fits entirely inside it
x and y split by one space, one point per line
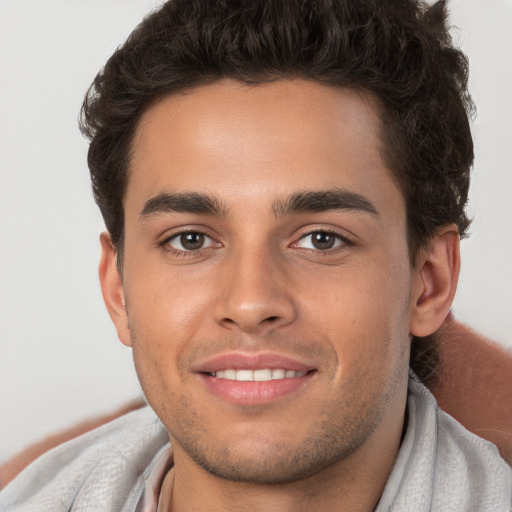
283 185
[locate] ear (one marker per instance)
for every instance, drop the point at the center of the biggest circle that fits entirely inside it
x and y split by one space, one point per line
112 289
435 281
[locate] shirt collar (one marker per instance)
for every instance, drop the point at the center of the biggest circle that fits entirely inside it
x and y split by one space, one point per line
154 475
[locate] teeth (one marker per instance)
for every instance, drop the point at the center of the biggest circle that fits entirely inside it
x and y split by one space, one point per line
262 375
244 375
278 374
229 374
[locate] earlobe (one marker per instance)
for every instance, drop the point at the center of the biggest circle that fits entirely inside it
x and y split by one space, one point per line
435 282
112 289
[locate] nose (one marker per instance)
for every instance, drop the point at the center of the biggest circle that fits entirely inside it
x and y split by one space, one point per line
253 296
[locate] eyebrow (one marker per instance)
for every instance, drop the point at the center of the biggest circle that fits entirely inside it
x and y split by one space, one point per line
190 202
322 201
310 201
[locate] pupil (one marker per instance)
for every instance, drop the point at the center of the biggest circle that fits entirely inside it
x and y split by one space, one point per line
192 241
323 240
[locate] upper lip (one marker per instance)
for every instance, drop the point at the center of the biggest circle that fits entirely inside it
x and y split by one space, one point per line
251 361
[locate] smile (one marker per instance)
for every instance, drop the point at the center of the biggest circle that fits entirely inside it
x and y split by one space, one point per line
249 379
262 375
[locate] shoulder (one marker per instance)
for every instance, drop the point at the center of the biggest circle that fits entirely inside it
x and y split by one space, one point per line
467 470
475 384
98 471
443 466
471 464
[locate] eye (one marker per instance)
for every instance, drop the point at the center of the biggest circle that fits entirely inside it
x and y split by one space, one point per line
320 241
190 241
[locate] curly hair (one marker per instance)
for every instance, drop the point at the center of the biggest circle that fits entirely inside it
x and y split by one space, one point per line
399 51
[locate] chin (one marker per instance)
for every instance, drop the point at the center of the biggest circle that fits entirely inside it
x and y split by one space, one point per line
254 459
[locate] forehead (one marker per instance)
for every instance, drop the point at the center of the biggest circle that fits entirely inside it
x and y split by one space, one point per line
260 142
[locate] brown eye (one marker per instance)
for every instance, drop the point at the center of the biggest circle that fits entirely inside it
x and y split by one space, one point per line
321 241
190 241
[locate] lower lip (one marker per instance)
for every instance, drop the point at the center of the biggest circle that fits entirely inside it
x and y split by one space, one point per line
252 392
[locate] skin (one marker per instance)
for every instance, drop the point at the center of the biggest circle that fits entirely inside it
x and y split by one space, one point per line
480 398
259 284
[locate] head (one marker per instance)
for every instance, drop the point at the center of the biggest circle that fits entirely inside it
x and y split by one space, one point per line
179 121
400 52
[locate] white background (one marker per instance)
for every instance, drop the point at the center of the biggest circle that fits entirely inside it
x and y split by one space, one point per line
60 360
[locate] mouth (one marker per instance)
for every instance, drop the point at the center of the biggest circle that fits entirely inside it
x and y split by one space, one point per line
254 379
263 375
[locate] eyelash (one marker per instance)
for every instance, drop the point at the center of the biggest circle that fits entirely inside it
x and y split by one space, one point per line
183 252
343 241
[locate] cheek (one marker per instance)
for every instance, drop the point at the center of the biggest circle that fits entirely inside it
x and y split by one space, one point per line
165 315
364 312
167 304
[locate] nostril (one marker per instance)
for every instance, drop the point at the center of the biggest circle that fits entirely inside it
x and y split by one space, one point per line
272 319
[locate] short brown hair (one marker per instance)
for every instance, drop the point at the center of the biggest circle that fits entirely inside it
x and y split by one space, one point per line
398 50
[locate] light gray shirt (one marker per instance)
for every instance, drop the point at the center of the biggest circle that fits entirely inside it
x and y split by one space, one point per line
441 467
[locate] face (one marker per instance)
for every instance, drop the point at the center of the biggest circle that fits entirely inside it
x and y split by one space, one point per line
266 278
